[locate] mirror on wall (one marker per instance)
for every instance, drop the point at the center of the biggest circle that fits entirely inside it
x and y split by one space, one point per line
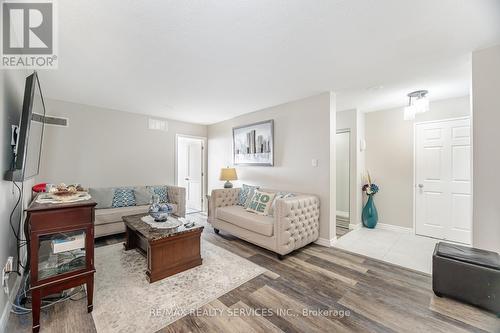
343 181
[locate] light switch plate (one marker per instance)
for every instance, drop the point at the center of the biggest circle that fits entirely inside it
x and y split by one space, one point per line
314 162
362 145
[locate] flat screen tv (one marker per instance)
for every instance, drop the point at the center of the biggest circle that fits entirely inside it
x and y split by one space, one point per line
30 133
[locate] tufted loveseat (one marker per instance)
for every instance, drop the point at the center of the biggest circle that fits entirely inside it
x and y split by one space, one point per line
295 222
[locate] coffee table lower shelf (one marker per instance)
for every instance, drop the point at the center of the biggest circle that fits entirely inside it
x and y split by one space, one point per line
166 256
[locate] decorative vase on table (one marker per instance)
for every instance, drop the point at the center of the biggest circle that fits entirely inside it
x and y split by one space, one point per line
370 214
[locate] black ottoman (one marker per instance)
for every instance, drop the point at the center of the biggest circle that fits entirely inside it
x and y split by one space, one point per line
467 274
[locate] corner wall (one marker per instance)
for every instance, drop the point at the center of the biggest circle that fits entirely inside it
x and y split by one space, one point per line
360 165
301 133
11 97
486 157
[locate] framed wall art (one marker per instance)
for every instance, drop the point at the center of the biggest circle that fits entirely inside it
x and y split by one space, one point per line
253 144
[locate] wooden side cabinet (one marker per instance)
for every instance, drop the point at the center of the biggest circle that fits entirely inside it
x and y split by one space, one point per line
61 250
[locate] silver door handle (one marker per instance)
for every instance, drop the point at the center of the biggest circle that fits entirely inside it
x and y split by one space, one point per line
186 178
420 185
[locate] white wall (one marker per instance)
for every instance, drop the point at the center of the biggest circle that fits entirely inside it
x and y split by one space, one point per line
389 156
486 157
11 97
103 147
301 133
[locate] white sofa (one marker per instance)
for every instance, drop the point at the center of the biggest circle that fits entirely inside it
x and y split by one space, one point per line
295 222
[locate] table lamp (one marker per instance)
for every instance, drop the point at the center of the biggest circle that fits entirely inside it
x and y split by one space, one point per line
228 174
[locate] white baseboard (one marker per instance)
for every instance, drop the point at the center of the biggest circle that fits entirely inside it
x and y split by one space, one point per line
353 226
326 242
8 306
396 228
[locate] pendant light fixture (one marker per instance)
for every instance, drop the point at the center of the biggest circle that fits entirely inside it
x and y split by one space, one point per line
417 103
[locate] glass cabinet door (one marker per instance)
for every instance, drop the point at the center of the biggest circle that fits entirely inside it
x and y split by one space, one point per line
60 253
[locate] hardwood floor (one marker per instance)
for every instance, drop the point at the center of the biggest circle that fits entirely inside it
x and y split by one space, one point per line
315 289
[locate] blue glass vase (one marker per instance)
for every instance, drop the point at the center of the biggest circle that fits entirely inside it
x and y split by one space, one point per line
369 215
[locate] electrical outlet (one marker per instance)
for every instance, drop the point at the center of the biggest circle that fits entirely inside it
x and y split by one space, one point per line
5 274
9 266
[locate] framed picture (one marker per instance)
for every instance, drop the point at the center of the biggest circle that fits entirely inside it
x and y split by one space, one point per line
254 144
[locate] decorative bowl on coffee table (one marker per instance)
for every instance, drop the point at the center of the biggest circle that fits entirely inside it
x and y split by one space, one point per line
160 211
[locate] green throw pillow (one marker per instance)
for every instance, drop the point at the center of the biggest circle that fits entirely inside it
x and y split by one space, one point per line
260 203
246 194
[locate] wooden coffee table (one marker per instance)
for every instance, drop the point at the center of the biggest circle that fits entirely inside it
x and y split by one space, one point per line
168 251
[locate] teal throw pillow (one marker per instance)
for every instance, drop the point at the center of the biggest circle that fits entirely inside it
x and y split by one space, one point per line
161 192
123 197
246 193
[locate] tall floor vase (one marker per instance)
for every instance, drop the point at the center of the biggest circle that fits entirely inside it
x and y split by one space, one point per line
370 215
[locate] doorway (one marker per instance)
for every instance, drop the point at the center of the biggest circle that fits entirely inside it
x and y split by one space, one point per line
342 146
443 189
190 170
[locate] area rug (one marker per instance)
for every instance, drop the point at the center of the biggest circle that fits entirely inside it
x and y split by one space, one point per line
124 301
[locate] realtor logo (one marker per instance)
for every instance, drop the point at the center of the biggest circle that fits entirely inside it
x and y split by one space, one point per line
28 35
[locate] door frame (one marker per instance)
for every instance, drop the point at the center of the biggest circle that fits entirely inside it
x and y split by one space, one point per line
351 207
414 215
203 165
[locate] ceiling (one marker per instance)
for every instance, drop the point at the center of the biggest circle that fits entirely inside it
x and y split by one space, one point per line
206 61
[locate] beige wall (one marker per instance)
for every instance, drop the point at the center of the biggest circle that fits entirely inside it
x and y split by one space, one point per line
103 147
486 157
389 156
301 133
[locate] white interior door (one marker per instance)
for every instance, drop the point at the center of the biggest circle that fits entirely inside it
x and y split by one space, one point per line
443 180
190 171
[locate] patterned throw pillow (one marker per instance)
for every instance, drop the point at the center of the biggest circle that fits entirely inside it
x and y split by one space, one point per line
260 203
123 197
161 192
246 194
279 195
